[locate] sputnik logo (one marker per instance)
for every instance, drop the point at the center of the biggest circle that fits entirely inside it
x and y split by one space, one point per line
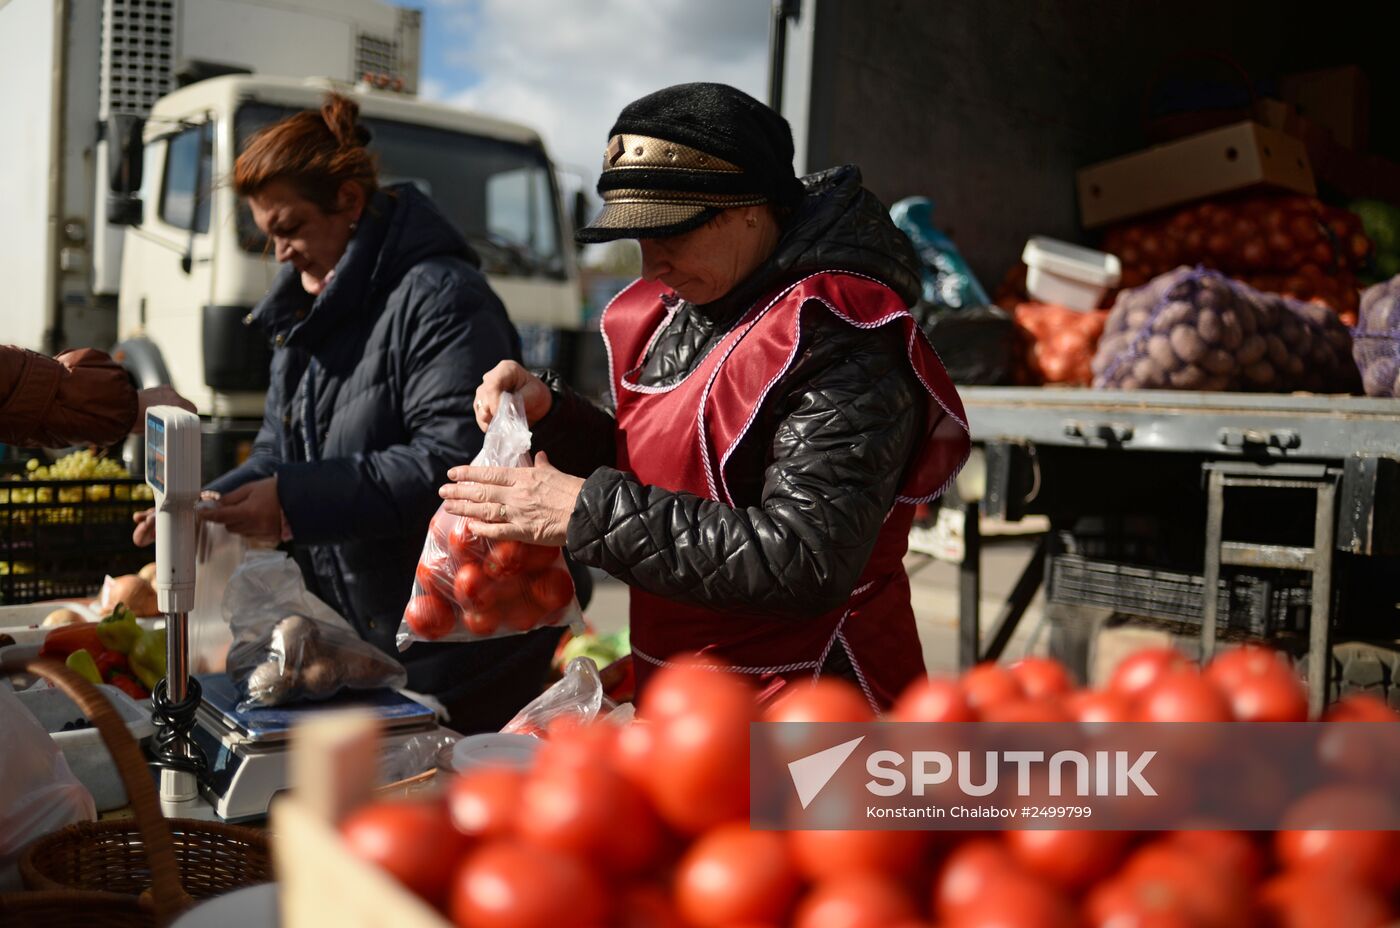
810 774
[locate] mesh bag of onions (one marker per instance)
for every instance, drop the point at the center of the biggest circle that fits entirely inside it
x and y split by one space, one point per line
1196 329
1377 339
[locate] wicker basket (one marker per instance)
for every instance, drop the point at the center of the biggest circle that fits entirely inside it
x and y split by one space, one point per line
143 871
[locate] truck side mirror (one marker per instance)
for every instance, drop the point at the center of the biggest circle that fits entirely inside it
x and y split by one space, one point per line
125 157
580 214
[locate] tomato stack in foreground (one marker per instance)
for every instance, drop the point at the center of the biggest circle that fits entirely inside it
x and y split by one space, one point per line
646 825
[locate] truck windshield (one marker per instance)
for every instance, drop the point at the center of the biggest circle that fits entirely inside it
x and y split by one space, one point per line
498 194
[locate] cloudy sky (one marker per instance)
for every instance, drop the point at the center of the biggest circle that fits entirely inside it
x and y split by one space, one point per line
567 67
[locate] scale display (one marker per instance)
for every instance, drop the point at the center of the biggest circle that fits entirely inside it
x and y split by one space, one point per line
155 453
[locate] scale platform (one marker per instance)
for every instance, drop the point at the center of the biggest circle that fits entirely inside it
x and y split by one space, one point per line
247 749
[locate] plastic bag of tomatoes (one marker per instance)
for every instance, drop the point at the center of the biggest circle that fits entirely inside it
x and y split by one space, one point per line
467 588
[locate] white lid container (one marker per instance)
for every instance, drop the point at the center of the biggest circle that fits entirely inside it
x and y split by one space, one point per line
83 748
1070 275
501 749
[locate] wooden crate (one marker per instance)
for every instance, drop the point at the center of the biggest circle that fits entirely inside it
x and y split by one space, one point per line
333 765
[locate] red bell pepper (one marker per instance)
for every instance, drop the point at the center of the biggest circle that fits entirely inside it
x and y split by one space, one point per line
109 662
66 639
130 686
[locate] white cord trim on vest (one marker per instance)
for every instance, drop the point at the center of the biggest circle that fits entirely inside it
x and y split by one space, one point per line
860 674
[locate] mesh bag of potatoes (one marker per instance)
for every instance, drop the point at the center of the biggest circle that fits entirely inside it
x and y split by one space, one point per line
1195 329
288 645
1378 339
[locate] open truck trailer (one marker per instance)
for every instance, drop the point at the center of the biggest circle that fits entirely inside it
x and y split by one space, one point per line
1287 504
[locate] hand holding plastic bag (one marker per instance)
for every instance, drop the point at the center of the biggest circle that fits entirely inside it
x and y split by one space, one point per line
468 588
288 644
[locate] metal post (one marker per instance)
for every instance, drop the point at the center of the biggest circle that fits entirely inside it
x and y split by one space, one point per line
178 785
970 589
1015 606
1320 615
783 10
1210 591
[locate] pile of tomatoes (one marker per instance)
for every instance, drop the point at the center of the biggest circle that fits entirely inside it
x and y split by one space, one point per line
645 825
467 584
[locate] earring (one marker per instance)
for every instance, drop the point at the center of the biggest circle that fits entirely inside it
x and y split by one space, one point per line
354 225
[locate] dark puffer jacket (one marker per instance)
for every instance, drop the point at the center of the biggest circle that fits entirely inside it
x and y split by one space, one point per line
821 468
369 405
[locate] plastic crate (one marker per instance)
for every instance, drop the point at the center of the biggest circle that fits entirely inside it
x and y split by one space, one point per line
1260 605
59 538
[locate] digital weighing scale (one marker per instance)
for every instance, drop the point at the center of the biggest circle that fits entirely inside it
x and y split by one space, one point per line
247 749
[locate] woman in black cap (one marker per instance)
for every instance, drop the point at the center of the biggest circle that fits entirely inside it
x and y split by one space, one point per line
776 411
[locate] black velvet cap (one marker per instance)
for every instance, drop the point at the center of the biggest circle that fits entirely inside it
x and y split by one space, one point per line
678 156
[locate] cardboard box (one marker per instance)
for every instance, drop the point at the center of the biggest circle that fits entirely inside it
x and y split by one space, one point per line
1223 160
1346 172
1338 99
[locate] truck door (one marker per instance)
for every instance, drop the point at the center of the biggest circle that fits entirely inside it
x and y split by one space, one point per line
169 256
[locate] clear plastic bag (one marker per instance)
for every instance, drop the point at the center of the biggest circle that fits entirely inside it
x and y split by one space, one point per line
288 644
38 793
577 696
468 588
219 555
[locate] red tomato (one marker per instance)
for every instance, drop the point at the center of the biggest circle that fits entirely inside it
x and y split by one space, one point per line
538 557
483 620
932 699
826 700
1042 677
430 616
472 587
1069 859
1316 900
506 884
1368 857
1212 897
1259 685
855 900
733 874
1231 852
822 855
429 576
647 905
1138 672
1017 902
1119 903
1023 710
414 841
1183 695
698 769
505 558
551 589
1360 707
591 812
461 542
1099 706
986 685
1273 697
484 802
969 873
1235 664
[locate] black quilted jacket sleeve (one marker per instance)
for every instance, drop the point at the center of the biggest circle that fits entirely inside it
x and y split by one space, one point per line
576 434
825 462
